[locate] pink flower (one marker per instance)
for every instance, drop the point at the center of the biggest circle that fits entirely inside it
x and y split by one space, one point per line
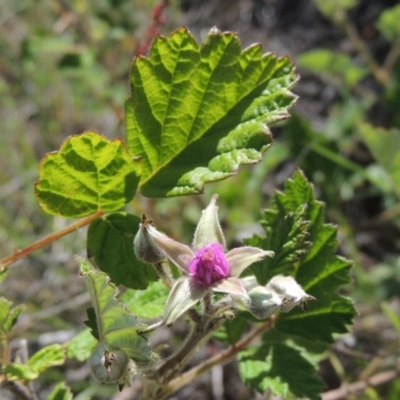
209 265
206 266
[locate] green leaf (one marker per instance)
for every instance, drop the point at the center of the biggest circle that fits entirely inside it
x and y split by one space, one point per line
286 236
47 357
315 266
8 315
81 346
88 173
280 368
147 303
42 360
336 65
60 392
232 330
110 243
384 145
19 372
116 325
5 307
197 113
388 23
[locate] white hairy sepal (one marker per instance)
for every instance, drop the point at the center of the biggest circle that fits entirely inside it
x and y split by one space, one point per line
144 246
263 302
290 292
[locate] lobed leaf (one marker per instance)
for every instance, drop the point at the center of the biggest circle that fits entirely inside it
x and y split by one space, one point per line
196 113
88 173
110 244
115 324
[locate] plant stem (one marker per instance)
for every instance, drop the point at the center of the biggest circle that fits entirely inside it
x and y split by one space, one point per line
224 356
18 254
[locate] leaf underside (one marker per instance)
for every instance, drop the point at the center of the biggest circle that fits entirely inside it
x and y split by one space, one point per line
196 113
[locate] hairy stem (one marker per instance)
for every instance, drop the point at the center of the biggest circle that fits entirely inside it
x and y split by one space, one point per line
18 254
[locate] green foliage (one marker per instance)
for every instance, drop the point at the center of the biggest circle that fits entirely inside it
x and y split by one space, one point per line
286 236
115 325
60 392
81 346
8 316
280 367
42 360
197 113
109 242
88 173
147 303
335 65
277 365
388 23
384 145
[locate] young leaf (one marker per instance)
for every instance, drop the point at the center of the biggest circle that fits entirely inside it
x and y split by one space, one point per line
88 173
60 392
147 303
8 315
286 236
197 113
115 324
110 243
320 271
280 368
45 358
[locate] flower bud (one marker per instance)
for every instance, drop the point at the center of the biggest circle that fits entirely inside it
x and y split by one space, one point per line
144 246
290 292
108 364
263 302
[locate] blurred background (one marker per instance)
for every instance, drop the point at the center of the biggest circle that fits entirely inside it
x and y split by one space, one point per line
64 69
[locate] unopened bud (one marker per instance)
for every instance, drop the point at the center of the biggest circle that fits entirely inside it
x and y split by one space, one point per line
109 365
290 292
263 302
144 246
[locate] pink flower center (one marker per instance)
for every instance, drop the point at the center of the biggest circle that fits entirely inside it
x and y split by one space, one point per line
209 265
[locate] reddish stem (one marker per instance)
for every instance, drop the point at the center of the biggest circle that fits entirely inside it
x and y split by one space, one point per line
17 254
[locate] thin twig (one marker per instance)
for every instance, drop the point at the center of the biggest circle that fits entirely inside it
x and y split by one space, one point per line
392 57
219 358
18 254
359 44
347 389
